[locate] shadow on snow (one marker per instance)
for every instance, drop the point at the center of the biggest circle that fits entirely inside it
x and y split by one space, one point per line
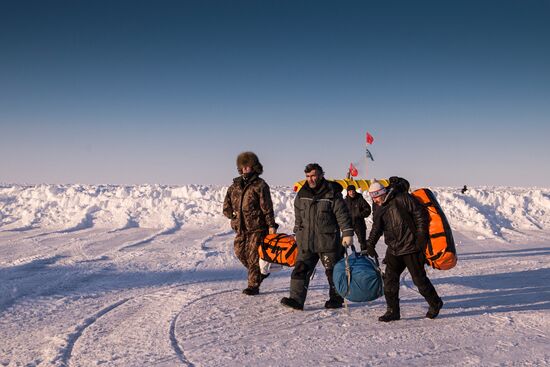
46 278
526 290
538 251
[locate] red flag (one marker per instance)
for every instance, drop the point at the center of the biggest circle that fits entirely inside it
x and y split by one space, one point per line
370 139
353 170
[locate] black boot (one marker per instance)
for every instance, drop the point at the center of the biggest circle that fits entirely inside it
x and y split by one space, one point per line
390 315
334 302
433 311
251 291
292 303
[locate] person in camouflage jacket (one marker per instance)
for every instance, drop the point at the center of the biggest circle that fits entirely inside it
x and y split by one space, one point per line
249 206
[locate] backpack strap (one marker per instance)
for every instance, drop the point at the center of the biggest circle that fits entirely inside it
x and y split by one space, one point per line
410 222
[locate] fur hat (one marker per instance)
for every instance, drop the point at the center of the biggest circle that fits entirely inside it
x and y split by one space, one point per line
249 159
376 189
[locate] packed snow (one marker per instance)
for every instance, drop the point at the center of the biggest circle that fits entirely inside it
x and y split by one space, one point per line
146 276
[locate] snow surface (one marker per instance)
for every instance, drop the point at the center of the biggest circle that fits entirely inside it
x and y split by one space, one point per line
146 276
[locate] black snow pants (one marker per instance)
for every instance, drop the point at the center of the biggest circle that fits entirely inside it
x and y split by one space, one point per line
395 265
360 229
305 265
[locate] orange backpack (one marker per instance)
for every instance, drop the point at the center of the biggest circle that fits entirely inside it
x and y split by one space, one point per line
278 248
441 250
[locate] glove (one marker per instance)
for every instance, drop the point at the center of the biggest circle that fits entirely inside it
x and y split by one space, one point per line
371 252
272 230
347 241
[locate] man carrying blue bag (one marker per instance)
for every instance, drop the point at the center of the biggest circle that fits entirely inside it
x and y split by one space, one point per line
358 278
394 207
320 215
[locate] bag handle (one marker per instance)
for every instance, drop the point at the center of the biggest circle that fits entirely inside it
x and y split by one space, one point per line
361 253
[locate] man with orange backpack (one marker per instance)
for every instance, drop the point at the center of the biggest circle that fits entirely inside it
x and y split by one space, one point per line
395 209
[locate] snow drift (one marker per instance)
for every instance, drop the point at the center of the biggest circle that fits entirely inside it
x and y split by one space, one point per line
490 212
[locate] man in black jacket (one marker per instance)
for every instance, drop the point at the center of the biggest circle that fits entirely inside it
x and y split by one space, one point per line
359 209
320 215
404 223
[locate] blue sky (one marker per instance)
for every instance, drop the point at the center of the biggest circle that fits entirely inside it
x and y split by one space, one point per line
126 92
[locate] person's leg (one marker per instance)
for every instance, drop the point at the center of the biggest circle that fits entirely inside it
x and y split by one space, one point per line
299 279
361 232
329 259
239 245
253 261
394 268
415 265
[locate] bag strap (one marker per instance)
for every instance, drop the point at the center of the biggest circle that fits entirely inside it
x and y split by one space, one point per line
348 276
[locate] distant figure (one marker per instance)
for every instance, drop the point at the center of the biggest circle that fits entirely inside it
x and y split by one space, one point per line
320 215
464 189
405 246
359 209
248 204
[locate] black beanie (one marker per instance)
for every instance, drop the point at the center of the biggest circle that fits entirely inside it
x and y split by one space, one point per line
350 187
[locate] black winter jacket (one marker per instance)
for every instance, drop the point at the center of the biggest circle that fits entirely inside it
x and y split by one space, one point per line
359 209
398 234
320 215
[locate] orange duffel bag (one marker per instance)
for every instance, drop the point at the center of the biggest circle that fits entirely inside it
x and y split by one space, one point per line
441 250
278 248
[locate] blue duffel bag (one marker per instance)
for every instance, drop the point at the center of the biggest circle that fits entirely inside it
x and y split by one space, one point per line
358 278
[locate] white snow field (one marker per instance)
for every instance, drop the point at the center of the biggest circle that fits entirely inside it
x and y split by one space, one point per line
146 276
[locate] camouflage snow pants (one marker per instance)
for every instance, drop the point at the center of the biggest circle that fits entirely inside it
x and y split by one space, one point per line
246 249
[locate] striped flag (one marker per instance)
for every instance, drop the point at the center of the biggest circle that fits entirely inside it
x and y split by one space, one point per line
369 155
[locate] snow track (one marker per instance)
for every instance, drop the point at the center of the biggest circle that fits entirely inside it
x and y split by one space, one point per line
173 338
65 353
175 345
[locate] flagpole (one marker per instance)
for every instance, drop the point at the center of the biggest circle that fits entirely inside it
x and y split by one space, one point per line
366 166
366 157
